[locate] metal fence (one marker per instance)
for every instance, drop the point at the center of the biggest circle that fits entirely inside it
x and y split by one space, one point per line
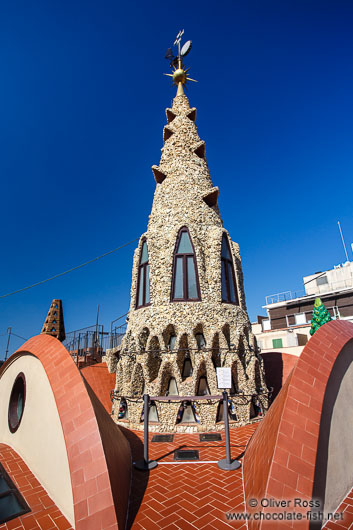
284 297
115 336
93 341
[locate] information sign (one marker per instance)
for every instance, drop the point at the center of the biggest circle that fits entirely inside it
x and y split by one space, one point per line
224 378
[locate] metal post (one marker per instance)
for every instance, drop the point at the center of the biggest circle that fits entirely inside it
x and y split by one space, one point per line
8 342
73 346
343 243
145 464
227 463
97 326
86 346
78 347
111 335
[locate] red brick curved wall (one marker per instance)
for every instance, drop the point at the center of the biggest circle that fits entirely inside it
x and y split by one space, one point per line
101 382
92 490
280 459
277 366
259 454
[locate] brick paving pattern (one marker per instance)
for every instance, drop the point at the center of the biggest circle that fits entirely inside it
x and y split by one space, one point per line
346 507
45 515
187 496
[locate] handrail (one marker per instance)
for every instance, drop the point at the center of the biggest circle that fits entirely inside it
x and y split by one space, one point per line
191 398
183 398
230 349
146 464
114 396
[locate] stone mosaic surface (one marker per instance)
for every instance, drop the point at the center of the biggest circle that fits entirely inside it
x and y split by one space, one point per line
143 362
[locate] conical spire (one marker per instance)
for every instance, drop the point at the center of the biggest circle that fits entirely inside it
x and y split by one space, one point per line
187 294
184 192
54 323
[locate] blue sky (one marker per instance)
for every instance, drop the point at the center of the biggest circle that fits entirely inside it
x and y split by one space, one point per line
82 100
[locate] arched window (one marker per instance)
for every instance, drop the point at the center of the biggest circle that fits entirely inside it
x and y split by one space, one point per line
185 283
143 280
229 286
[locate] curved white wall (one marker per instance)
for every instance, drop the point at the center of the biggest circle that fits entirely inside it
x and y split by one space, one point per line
39 439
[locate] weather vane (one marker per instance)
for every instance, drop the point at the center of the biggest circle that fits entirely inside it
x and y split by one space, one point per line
179 75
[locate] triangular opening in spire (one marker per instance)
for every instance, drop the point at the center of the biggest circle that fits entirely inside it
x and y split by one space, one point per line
211 197
200 150
159 176
170 115
192 114
167 133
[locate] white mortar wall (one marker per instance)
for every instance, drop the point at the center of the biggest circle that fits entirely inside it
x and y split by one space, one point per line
39 440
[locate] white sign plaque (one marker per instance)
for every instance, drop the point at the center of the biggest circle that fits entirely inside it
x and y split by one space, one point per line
224 378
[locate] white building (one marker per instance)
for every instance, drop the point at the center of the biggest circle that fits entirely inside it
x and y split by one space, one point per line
287 325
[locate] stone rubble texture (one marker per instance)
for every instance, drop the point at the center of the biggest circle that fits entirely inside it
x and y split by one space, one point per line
142 362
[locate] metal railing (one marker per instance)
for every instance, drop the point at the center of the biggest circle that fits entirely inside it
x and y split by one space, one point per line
311 290
85 342
146 464
175 351
226 463
284 296
115 337
114 396
117 332
93 341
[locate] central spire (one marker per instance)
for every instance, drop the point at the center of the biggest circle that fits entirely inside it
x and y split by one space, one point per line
187 314
180 75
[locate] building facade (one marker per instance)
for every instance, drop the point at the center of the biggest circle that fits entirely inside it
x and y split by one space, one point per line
287 325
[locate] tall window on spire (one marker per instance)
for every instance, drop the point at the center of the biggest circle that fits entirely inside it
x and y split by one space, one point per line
229 286
185 283
143 280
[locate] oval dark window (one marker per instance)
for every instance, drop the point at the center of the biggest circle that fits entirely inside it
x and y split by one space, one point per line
17 402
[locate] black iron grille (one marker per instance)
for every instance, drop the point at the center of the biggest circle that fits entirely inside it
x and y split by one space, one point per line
186 454
163 438
213 437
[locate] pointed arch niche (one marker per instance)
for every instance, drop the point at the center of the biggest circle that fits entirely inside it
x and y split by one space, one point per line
203 388
232 415
255 408
172 387
143 279
185 281
187 413
229 285
185 360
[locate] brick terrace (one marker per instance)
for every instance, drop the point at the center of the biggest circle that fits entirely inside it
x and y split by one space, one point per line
187 496
45 515
346 507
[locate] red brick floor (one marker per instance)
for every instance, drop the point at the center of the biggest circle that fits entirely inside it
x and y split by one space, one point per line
346 508
187 496
45 515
